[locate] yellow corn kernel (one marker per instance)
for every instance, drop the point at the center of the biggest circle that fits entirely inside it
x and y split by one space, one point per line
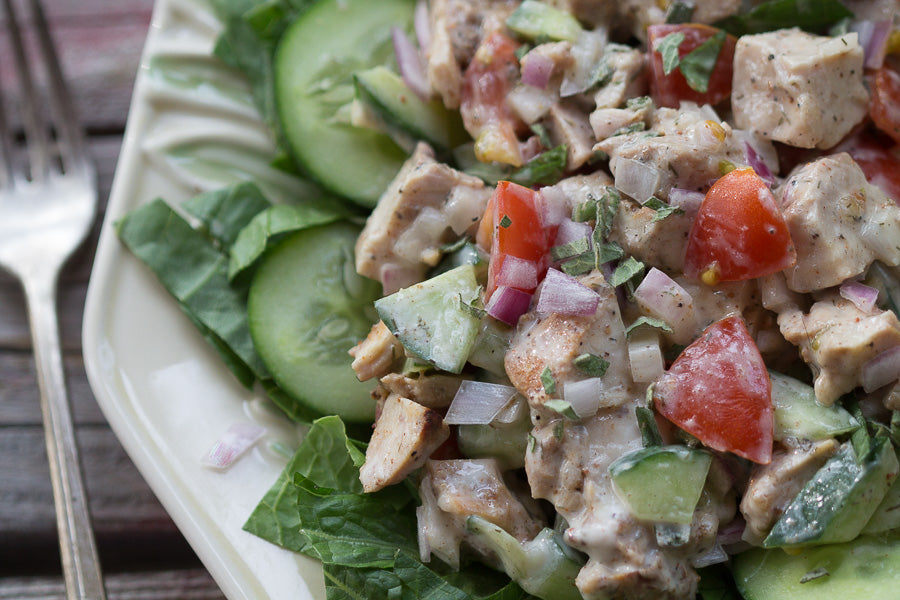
716 129
711 275
893 45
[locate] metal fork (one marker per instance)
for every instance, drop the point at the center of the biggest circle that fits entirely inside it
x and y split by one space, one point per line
48 202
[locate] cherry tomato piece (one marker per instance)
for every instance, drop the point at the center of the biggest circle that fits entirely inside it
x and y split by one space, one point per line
518 230
718 390
885 105
739 232
671 89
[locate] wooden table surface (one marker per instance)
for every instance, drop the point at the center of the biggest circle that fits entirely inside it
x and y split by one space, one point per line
142 553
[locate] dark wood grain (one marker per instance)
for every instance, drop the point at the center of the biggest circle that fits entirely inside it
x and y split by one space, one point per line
144 556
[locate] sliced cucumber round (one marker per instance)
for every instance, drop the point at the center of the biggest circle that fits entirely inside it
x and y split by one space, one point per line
314 66
868 567
307 307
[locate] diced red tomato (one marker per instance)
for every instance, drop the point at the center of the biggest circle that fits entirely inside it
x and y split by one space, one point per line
671 89
487 80
885 105
739 232
879 159
517 230
718 390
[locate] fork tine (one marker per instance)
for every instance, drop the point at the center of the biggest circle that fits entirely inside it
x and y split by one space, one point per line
35 133
69 135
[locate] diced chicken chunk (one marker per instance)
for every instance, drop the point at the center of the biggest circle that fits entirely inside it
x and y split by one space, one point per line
553 342
839 223
836 339
773 486
453 490
798 88
656 242
687 147
568 124
457 27
433 391
406 433
567 465
628 78
377 355
413 217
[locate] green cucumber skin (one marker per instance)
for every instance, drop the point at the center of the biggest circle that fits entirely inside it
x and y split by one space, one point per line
866 568
353 162
386 93
307 307
840 499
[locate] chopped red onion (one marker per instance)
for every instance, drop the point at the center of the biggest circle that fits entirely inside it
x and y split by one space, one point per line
410 63
873 37
586 396
881 370
638 179
732 532
233 444
563 294
478 402
508 304
537 68
661 297
758 165
422 25
394 277
518 273
571 231
645 356
860 294
687 200
422 535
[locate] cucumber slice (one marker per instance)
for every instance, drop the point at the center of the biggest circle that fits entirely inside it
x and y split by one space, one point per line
431 318
887 515
400 109
661 483
307 307
840 498
868 567
533 19
313 71
798 415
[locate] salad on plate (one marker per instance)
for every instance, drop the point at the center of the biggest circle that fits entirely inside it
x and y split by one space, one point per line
578 299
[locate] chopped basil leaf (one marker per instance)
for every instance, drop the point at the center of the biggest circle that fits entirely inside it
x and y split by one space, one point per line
543 135
602 74
591 364
548 381
471 309
559 429
609 251
680 12
627 270
633 128
505 221
697 66
522 50
532 442
451 247
650 435
573 248
895 427
546 168
815 17
607 208
662 209
585 211
638 103
579 265
650 322
668 48
563 408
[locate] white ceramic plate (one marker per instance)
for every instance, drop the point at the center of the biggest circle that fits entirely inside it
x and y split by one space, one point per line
192 127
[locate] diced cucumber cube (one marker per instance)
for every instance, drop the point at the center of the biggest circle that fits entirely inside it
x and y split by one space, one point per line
434 319
799 415
661 483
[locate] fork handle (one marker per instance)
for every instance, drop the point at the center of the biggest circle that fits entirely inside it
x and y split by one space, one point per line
80 562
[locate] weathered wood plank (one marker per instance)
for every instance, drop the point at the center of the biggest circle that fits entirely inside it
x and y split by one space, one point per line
189 584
